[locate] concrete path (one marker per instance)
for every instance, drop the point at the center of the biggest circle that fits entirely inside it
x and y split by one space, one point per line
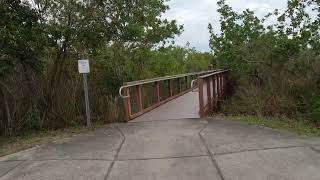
186 149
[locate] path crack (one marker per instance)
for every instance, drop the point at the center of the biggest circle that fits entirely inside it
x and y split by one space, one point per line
12 168
117 153
159 158
214 162
316 150
66 159
261 149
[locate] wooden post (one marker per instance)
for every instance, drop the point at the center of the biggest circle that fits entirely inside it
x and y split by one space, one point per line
127 104
209 93
140 101
214 87
186 81
157 91
217 84
170 88
201 104
221 86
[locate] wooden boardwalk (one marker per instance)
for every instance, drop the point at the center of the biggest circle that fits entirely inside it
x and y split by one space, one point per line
184 107
173 97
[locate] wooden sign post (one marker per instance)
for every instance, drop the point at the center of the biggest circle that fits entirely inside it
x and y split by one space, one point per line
84 69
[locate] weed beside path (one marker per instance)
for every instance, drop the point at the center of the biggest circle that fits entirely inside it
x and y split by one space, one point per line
9 145
301 127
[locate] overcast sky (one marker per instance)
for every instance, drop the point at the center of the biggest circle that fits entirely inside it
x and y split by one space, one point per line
196 14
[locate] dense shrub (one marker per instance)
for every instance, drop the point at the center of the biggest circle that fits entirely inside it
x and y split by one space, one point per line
275 68
40 87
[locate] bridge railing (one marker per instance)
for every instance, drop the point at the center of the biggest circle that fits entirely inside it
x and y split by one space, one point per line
143 96
212 89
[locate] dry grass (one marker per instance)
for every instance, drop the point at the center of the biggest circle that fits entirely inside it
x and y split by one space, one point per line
9 145
300 126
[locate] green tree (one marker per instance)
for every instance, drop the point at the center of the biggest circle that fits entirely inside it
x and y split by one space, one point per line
237 30
177 60
118 36
21 46
275 68
22 37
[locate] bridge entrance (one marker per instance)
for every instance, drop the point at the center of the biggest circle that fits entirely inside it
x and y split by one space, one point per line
192 95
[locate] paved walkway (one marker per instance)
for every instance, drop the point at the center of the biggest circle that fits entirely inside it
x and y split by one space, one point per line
186 149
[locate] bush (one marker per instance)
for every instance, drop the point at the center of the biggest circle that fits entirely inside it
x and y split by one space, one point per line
276 69
315 112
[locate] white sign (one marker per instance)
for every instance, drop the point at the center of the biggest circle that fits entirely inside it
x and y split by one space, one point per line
83 66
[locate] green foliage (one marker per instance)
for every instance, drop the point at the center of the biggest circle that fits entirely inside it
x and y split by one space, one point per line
57 33
177 60
125 40
315 110
276 68
22 37
302 127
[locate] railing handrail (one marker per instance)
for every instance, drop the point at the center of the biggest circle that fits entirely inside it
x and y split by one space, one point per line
120 93
158 99
153 80
193 87
212 74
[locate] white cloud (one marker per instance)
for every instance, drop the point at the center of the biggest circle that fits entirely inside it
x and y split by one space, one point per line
185 16
197 14
263 7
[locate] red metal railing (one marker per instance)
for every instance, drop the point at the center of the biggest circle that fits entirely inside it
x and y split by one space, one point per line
143 96
212 88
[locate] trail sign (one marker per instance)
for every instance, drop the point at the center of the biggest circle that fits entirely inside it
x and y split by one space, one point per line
84 66
84 69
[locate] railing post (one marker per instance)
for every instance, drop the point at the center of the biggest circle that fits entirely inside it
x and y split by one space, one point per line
157 91
209 92
221 86
127 104
218 87
214 94
186 81
201 103
170 88
140 101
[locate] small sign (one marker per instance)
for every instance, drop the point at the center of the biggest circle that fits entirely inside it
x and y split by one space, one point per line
84 66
